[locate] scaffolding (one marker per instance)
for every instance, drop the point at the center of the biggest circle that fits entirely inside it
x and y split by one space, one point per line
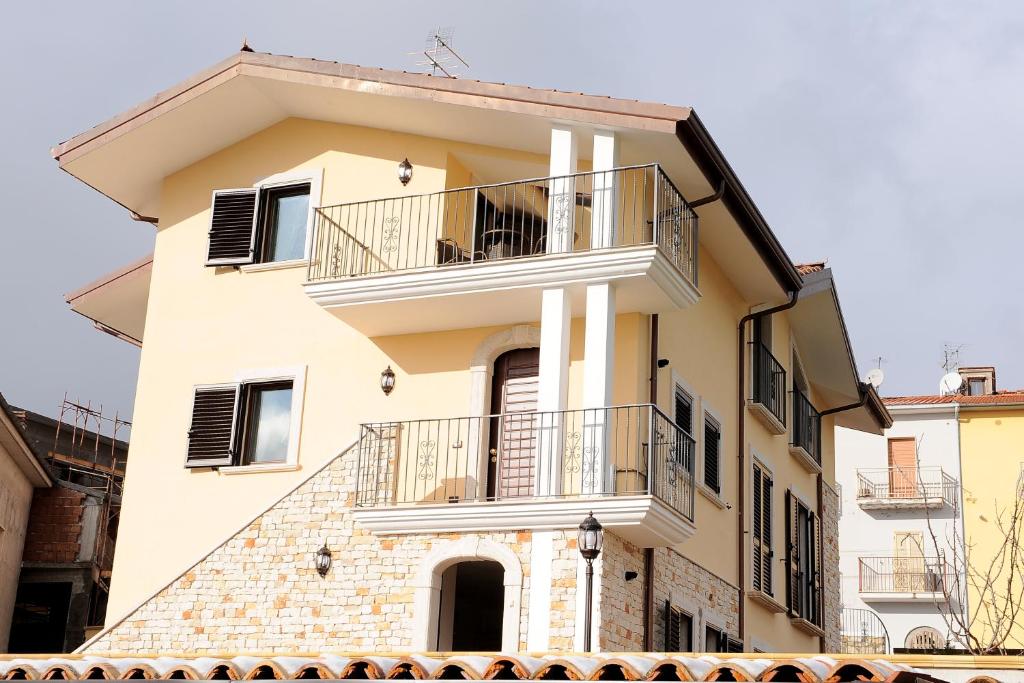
86 452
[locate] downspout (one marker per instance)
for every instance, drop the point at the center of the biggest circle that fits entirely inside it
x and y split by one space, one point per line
741 453
822 646
648 610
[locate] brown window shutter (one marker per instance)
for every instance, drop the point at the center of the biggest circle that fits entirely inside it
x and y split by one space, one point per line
792 557
211 437
766 535
814 613
671 628
233 227
757 559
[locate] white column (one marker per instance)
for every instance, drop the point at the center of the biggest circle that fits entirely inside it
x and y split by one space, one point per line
599 352
604 206
541 557
562 193
551 387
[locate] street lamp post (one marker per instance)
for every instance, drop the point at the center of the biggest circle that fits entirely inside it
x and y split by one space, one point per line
589 542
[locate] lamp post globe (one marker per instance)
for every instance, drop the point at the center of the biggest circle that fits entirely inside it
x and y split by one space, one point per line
590 538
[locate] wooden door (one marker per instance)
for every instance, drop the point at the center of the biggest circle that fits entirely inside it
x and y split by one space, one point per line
513 441
903 468
908 562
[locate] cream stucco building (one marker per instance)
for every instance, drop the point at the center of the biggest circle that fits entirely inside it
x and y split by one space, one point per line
575 306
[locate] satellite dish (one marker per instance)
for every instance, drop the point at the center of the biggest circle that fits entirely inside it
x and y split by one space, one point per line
950 383
875 377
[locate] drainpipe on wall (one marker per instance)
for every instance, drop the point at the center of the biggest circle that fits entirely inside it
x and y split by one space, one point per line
741 456
648 611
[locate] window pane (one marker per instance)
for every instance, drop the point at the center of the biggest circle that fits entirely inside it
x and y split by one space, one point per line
287 233
272 417
977 387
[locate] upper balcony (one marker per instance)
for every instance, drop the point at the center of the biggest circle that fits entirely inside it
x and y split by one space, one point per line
767 388
895 488
630 465
467 257
806 441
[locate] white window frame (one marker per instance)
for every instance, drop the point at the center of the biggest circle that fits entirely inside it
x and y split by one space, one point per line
297 376
315 178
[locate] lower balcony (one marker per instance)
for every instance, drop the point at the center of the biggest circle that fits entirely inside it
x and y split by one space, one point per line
905 579
630 465
471 256
896 488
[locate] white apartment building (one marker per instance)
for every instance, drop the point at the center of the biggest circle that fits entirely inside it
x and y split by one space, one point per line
900 523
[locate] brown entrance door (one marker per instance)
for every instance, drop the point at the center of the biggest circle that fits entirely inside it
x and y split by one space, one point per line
513 439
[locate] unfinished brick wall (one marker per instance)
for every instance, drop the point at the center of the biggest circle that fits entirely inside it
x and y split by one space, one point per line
54 526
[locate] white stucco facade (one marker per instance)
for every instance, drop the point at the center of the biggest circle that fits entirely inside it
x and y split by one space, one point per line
876 518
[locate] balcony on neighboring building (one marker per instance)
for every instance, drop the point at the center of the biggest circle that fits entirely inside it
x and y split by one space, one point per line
806 442
469 256
905 579
767 388
896 488
630 465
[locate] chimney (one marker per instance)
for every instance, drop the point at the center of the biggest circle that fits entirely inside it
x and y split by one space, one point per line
979 381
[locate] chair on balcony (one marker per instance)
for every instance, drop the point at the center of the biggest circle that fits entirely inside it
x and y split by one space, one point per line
449 252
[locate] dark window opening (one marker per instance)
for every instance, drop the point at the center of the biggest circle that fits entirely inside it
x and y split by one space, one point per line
40 618
712 454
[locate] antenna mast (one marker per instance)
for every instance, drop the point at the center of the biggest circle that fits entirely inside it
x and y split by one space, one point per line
439 54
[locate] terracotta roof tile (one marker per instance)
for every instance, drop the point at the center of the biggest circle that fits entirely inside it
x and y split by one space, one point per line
808 268
1015 397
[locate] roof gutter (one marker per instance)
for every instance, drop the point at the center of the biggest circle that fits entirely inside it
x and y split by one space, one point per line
713 165
867 395
741 454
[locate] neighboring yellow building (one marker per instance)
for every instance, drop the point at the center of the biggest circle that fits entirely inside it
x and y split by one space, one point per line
427 325
992 460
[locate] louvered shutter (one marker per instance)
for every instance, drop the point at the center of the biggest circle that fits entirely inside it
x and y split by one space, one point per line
671 628
712 443
766 534
211 437
814 611
757 559
792 555
233 227
733 645
684 412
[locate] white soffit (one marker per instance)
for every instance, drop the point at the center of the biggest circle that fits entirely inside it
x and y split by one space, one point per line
821 341
117 301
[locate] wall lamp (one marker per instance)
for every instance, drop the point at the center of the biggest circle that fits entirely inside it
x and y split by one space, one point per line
405 171
387 381
323 560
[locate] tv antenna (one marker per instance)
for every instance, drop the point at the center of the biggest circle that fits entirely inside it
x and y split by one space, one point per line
951 357
439 54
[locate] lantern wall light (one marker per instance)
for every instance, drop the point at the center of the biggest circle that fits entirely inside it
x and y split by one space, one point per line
387 381
323 560
405 171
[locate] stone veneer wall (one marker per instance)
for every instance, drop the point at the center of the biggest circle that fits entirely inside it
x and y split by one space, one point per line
689 586
259 591
831 580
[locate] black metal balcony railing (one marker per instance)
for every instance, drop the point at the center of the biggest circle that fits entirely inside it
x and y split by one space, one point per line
768 381
912 574
617 451
806 426
906 486
624 207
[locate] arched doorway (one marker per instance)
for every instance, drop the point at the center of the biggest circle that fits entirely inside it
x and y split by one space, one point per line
471 609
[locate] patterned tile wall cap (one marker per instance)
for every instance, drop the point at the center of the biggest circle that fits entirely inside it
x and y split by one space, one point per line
607 666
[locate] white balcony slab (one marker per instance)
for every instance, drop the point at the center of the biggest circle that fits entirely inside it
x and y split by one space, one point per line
909 596
914 503
645 521
498 292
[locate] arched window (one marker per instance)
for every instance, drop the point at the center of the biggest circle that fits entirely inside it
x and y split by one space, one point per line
925 638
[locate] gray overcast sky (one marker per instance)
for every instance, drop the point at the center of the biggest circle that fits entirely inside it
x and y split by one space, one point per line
883 136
